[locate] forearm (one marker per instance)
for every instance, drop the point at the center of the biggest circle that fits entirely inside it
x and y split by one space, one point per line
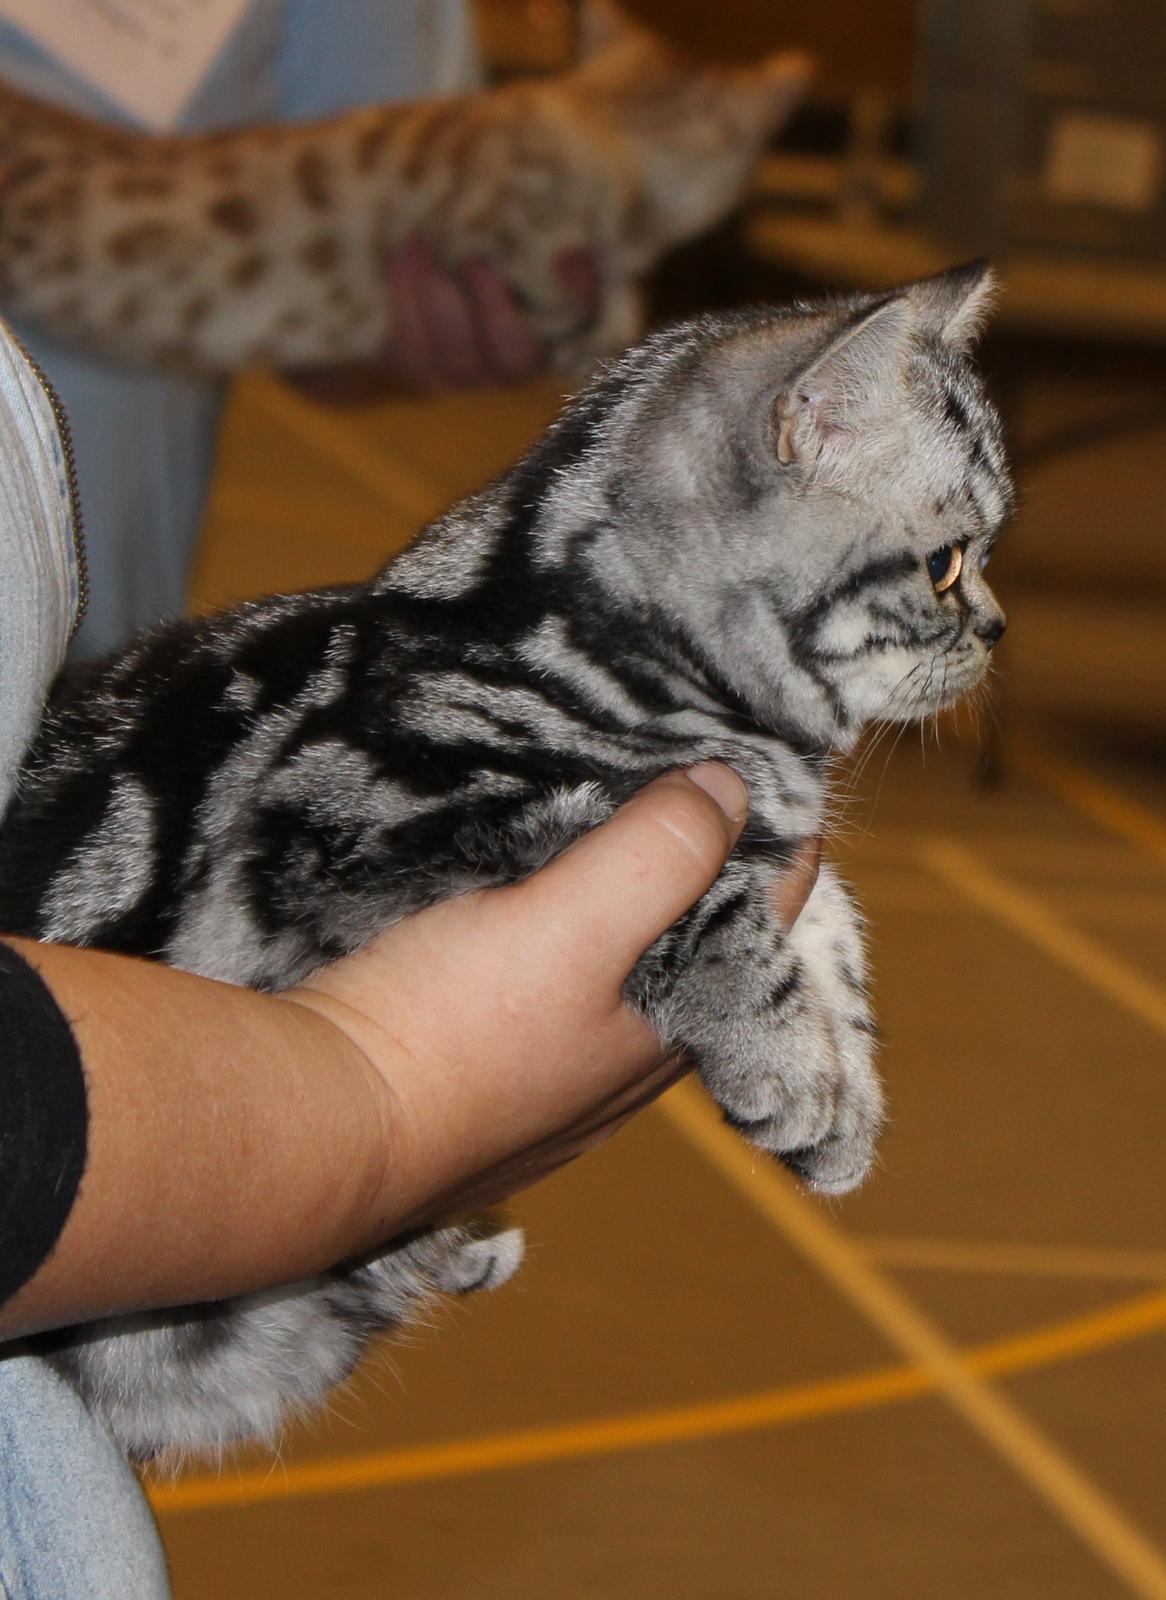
236 1140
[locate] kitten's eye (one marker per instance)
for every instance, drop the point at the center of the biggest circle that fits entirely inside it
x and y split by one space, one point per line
944 566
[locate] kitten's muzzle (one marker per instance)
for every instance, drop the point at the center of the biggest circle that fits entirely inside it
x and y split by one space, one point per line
991 630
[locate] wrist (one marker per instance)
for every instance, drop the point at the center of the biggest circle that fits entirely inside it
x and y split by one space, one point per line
360 1052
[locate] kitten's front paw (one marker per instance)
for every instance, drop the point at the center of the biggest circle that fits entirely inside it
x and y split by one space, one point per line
803 1086
842 1158
463 1257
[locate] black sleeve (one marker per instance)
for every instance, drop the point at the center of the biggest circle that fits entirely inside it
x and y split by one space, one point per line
44 1121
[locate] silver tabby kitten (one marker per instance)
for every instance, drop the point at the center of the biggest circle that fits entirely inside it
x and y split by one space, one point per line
746 539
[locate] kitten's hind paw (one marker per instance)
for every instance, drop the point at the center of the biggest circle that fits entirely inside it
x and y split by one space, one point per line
480 1260
480 1253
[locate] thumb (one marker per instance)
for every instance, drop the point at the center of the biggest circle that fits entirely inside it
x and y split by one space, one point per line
619 887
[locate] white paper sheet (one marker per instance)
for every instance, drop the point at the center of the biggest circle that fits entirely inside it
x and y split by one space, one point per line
148 56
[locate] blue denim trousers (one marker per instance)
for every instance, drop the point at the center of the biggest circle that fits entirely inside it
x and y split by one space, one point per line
74 1524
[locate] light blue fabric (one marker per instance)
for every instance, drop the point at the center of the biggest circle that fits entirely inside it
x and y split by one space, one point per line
145 441
73 1523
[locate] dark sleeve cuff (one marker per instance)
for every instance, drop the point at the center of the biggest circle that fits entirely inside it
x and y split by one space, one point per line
44 1121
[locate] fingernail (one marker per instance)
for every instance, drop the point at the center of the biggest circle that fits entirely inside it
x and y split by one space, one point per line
724 786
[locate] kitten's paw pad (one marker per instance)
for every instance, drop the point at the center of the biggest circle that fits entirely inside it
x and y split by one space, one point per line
832 1167
841 1161
790 1123
791 1107
822 1118
481 1261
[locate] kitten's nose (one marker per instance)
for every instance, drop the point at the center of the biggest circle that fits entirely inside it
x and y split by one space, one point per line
992 630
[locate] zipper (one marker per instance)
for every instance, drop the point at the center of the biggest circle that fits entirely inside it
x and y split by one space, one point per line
77 526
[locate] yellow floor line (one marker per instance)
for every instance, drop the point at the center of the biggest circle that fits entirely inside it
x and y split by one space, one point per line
1061 1341
1026 915
1085 1507
535 1446
1100 801
325 434
1027 1260
1076 1336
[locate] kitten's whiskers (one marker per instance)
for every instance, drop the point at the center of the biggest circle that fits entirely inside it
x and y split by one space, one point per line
896 719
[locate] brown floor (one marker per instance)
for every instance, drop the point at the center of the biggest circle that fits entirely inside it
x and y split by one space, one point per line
704 1384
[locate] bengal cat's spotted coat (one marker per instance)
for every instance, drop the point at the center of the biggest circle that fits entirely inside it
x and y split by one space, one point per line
270 244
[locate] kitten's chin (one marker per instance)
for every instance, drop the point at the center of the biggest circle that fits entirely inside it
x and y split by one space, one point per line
944 684
958 685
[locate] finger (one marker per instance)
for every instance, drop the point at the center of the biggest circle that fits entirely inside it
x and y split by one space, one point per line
600 904
632 1098
551 1155
434 345
407 353
578 272
458 357
626 1099
796 883
512 349
589 1132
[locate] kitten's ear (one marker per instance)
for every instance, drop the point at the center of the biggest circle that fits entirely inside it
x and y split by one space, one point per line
955 305
604 25
844 389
